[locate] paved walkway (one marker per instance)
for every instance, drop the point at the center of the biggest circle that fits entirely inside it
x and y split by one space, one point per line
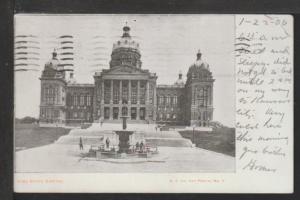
176 152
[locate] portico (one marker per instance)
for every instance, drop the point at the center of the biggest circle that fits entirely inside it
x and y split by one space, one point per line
125 91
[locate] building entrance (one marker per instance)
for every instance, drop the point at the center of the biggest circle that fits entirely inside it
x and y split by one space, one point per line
133 113
115 113
142 113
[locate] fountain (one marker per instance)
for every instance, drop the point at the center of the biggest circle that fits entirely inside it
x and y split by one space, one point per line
124 137
124 149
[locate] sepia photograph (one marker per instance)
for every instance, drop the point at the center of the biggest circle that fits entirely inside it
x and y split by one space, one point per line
120 93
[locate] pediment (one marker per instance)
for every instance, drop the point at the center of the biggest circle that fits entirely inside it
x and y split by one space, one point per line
126 70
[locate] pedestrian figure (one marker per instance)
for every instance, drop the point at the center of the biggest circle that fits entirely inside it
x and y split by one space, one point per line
107 142
156 128
101 121
137 146
142 146
80 144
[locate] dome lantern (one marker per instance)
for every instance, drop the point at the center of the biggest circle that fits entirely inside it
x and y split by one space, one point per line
199 54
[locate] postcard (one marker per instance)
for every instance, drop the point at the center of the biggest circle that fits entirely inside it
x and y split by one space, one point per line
156 103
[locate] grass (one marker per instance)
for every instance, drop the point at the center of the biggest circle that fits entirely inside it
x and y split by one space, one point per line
221 140
31 135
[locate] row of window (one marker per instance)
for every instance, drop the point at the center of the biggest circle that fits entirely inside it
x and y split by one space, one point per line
201 115
117 113
165 108
51 95
48 113
201 96
79 100
79 115
168 116
167 100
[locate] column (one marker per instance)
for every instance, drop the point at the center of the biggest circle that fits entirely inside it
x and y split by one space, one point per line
154 103
138 92
102 92
120 100
111 91
129 99
102 100
111 112
147 110
138 101
147 92
120 92
138 113
129 92
212 94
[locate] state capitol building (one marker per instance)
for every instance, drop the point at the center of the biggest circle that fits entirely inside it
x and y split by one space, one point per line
126 89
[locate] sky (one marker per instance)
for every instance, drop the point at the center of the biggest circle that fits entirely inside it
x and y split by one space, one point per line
168 44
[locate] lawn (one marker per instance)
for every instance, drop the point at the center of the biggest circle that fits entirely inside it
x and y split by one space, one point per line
31 135
220 140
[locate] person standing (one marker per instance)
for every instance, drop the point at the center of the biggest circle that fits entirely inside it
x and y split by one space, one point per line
142 146
137 146
107 142
80 144
101 121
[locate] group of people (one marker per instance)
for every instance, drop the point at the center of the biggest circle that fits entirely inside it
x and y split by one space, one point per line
139 146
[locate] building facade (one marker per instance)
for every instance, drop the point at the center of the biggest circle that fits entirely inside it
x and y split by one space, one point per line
125 89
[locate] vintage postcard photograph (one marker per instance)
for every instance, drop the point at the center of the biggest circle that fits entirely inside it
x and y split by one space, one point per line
153 103
123 93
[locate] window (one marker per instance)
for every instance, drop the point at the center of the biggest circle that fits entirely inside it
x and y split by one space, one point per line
106 113
75 114
42 113
133 92
202 97
56 114
115 113
142 113
88 100
107 92
168 100
75 99
50 95
151 94
116 92
171 101
142 92
124 91
133 113
81 115
81 99
204 115
175 100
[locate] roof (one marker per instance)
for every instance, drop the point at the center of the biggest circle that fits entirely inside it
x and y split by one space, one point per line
80 85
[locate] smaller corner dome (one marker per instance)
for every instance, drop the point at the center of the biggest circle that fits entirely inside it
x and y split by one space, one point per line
199 69
53 62
199 61
179 81
199 64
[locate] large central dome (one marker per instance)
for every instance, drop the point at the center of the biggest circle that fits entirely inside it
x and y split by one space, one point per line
126 51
